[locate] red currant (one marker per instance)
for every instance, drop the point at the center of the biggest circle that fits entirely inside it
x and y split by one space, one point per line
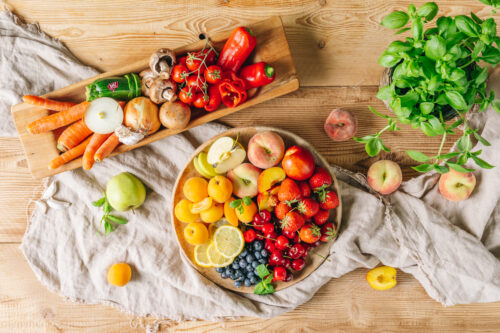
296 251
260 236
287 263
249 235
258 222
298 264
279 273
265 215
282 242
289 234
276 258
267 228
270 245
272 236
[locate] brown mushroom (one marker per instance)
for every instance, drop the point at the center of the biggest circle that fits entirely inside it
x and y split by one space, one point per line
148 77
162 61
162 90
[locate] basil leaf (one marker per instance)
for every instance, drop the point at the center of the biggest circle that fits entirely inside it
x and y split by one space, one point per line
489 29
262 271
423 167
496 105
435 48
440 169
235 203
428 11
372 148
482 76
434 83
456 100
458 167
427 129
395 20
417 156
385 93
463 159
388 60
478 48
443 23
456 124
426 107
437 126
409 99
481 139
364 139
117 219
107 207
108 228
99 203
458 74
376 113
491 55
247 201
447 156
401 31
417 28
482 163
398 46
475 18
467 26
464 144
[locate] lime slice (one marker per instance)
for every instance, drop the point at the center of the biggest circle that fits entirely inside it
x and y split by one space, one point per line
216 259
228 241
200 255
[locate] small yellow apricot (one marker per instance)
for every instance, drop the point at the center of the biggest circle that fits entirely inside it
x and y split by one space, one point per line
382 278
119 274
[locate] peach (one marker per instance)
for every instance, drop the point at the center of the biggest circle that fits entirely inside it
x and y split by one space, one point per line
341 125
384 176
244 178
269 177
268 199
456 186
265 149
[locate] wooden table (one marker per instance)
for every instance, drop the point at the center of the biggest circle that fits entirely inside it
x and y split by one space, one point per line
335 45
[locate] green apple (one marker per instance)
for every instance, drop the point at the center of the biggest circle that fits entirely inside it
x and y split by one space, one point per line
125 191
225 154
205 166
198 168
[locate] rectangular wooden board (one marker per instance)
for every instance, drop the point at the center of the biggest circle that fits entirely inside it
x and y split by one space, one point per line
272 47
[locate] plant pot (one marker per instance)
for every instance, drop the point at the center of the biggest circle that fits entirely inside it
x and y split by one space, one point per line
449 114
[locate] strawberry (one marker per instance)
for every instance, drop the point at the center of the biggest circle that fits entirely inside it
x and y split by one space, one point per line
281 209
321 217
289 191
308 207
328 200
305 190
310 233
292 221
321 179
328 232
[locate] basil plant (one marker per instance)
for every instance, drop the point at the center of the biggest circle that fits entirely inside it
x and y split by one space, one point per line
435 76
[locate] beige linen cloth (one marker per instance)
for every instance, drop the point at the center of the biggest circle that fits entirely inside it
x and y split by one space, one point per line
451 248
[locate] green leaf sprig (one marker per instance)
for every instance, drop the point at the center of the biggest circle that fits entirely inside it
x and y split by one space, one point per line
238 204
264 286
109 220
436 76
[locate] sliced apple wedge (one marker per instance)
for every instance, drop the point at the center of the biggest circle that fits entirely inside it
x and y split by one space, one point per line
196 163
225 154
205 166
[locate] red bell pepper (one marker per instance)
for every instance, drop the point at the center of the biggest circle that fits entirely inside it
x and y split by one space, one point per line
257 75
237 49
213 98
232 90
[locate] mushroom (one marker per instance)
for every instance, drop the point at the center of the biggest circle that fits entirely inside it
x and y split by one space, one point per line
148 77
162 61
162 90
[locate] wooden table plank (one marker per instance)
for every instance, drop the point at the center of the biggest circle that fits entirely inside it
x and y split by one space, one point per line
334 43
344 304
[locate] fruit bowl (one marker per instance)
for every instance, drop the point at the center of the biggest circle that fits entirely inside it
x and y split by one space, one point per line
244 135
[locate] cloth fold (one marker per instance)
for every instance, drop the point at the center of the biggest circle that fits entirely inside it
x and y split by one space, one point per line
451 248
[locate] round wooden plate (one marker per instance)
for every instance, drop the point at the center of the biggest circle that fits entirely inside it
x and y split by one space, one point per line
244 134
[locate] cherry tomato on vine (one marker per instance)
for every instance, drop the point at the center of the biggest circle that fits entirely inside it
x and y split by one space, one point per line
200 100
179 73
195 82
213 74
193 61
186 96
210 56
181 60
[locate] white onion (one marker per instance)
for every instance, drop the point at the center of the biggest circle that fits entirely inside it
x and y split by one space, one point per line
104 115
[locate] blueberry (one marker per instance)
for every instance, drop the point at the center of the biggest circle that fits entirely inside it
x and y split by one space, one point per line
243 254
250 268
255 264
242 263
229 271
253 280
223 275
238 274
250 258
250 274
219 270
264 253
257 246
247 283
237 284
257 255
262 261
232 277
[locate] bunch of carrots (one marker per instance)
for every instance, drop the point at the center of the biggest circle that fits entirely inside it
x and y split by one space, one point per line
77 139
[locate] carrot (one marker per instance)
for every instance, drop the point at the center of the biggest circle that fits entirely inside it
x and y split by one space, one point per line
107 148
59 119
122 103
73 135
96 140
69 155
47 103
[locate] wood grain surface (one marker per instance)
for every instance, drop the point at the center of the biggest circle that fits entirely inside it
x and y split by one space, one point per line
335 45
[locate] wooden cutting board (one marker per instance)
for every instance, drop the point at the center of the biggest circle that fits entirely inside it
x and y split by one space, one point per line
272 47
